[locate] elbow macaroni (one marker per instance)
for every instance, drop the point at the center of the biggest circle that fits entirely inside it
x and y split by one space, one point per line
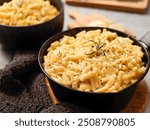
26 12
77 62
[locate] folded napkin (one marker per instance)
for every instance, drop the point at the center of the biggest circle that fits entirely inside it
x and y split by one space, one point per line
23 88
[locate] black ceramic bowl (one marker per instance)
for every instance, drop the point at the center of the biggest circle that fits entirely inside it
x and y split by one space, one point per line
32 36
97 102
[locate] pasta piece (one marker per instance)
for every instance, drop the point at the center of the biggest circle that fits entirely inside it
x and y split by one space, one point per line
107 85
88 75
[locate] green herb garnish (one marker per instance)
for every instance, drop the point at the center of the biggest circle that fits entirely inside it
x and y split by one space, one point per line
98 48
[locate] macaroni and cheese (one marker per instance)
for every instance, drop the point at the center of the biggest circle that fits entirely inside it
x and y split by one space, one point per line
26 12
95 61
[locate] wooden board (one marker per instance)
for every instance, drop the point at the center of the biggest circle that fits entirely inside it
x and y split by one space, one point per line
81 20
137 104
139 6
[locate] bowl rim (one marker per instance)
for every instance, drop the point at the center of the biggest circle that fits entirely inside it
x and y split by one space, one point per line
39 24
58 35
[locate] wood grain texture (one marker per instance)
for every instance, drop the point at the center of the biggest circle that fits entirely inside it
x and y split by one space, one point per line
138 6
50 91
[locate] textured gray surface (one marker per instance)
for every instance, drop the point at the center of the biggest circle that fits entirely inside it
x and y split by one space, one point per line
137 23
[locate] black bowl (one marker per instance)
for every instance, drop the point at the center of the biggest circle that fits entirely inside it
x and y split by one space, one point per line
32 36
97 102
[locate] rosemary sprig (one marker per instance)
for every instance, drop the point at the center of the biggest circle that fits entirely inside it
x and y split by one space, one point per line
98 47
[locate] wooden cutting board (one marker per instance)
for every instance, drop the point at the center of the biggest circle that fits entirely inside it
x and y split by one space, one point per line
139 6
80 20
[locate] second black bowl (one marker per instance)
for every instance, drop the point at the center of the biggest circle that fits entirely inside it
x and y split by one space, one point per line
32 36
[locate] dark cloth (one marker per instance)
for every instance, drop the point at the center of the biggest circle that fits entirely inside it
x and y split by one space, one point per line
23 89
